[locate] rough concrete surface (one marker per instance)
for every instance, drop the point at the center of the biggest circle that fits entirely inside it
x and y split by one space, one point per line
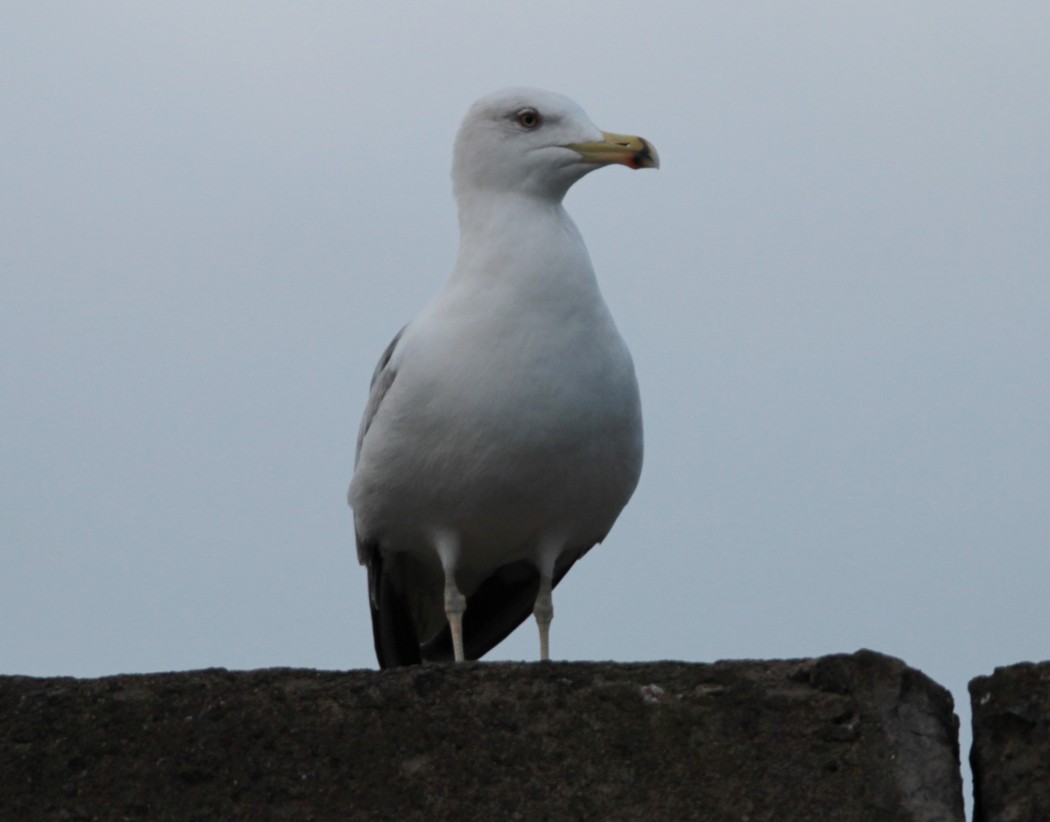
1011 744
850 737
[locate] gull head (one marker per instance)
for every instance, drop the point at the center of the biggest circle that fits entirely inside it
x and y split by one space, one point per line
538 143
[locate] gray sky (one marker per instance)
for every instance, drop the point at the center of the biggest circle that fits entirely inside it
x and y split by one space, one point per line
213 217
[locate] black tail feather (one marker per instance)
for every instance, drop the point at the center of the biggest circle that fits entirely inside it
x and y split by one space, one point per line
392 627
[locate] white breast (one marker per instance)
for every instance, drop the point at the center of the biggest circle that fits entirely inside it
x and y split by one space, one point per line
514 416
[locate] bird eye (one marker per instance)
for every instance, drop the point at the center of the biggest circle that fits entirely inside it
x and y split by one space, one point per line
528 118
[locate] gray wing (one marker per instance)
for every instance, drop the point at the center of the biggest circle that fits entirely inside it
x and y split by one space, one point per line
382 379
392 628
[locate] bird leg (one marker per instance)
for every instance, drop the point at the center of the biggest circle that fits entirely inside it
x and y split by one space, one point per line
543 610
455 605
446 543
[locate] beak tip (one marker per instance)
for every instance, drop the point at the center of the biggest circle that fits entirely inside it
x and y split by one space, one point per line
653 158
647 157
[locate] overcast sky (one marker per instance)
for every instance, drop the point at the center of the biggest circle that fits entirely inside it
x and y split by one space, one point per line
213 217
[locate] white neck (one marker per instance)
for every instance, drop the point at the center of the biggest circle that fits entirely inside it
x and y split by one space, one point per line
501 230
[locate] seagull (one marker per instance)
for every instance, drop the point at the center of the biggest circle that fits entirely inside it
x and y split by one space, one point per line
503 430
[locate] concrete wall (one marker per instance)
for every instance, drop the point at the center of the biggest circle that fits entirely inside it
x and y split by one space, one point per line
850 737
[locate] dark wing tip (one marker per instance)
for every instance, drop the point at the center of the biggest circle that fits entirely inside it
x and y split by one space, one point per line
393 630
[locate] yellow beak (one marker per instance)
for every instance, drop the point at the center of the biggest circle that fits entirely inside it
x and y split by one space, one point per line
633 152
